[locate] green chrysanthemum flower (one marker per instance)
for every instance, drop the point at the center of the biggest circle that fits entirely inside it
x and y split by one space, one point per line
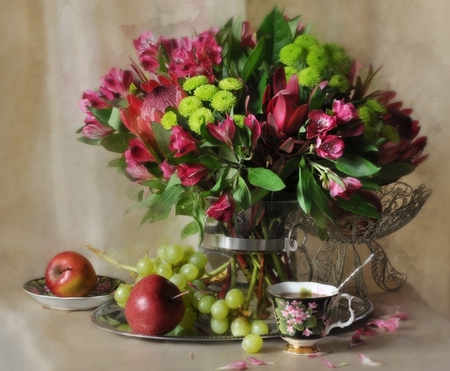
367 115
390 133
341 62
205 92
223 101
292 54
370 134
309 77
289 71
376 106
188 105
306 41
168 120
317 58
194 82
340 82
198 118
239 120
230 83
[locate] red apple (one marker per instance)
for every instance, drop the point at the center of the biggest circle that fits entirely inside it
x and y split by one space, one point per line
153 307
70 274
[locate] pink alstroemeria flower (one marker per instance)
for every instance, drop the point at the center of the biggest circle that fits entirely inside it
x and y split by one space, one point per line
223 209
320 123
117 81
91 98
191 174
223 131
135 156
255 127
182 142
167 169
92 129
147 51
330 146
350 185
343 112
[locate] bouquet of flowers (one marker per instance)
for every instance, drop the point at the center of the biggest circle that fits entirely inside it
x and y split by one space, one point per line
210 125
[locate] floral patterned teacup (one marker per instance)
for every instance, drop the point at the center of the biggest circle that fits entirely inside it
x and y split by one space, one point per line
304 313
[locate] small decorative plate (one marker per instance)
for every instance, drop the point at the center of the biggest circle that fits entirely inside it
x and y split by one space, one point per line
102 294
110 317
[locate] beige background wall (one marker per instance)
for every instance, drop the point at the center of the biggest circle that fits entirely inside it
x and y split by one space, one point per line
58 194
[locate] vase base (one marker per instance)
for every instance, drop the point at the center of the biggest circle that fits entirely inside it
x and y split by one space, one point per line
301 350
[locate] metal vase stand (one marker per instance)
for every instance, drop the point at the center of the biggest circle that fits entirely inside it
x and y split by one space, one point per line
400 202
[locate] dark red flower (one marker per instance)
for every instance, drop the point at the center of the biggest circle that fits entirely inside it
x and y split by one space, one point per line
223 209
191 174
182 142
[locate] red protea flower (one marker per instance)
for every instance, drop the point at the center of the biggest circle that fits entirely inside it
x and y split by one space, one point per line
281 100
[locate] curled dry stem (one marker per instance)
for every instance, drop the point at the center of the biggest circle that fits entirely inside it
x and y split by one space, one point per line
112 261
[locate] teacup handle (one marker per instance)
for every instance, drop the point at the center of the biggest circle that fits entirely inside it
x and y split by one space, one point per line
350 309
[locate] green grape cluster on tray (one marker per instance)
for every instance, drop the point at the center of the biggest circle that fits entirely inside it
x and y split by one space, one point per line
226 312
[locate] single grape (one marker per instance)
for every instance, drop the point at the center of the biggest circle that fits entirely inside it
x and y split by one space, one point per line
259 327
179 280
240 326
205 303
188 250
190 271
188 320
121 294
252 343
160 252
144 266
220 309
219 326
174 253
165 270
199 259
196 297
187 299
234 298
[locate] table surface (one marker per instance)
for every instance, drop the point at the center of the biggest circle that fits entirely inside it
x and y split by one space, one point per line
33 337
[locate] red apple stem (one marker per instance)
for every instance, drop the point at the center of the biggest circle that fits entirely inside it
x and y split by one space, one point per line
180 294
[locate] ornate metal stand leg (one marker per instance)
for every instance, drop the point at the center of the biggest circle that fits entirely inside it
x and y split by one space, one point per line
361 287
323 262
384 275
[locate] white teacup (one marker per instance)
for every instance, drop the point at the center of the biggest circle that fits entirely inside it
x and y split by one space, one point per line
303 311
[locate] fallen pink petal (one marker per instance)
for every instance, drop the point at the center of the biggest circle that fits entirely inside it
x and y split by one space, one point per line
330 365
318 354
368 362
258 362
236 365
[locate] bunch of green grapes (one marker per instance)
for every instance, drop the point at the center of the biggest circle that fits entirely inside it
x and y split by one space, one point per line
180 264
184 266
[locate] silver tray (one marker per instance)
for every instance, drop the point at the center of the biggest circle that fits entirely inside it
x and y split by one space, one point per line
110 317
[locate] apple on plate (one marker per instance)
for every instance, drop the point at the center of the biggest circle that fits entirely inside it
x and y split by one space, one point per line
70 274
154 307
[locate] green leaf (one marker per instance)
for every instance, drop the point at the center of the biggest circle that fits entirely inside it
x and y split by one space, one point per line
356 166
114 120
357 204
92 142
102 115
395 170
254 60
278 31
303 189
189 229
242 194
162 137
116 142
265 178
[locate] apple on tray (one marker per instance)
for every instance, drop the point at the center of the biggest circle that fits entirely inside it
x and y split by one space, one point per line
70 274
154 307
